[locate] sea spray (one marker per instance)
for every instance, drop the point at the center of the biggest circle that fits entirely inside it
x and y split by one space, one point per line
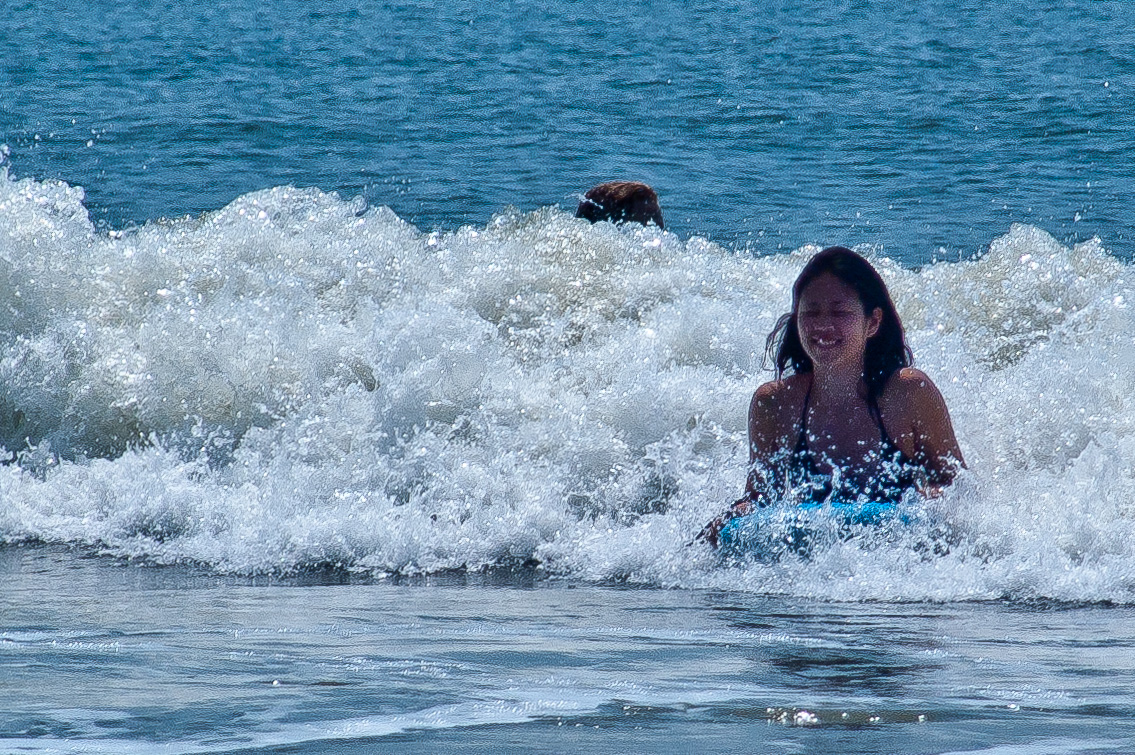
296 381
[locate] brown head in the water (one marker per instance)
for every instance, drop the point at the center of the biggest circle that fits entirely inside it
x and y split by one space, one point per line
621 202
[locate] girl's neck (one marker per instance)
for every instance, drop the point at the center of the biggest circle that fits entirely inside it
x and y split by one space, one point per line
837 384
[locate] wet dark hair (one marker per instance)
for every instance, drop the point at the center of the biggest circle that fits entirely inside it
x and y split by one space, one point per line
621 202
886 351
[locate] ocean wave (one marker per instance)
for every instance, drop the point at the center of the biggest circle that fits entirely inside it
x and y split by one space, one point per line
296 380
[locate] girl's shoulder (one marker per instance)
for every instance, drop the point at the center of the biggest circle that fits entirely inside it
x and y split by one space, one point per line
784 395
908 390
909 379
785 388
774 411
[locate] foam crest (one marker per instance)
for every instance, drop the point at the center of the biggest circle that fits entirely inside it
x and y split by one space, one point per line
297 381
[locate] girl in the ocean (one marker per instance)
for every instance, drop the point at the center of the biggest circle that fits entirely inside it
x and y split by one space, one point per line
847 419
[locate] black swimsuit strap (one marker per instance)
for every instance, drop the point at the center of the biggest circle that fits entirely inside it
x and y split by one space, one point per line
802 439
873 408
889 447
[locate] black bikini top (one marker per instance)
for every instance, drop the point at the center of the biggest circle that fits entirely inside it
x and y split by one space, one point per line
886 481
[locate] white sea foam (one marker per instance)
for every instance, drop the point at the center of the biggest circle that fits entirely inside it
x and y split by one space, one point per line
297 381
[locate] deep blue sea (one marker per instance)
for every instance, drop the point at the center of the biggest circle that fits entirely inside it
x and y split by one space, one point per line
924 128
328 428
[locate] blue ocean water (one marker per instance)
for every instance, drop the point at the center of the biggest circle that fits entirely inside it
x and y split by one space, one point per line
328 427
189 663
925 128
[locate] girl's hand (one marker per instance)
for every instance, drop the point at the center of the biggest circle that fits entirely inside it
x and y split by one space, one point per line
711 531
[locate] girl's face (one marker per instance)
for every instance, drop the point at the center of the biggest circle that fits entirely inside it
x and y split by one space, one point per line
833 327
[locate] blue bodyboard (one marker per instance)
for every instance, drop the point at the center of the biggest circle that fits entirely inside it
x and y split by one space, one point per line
772 532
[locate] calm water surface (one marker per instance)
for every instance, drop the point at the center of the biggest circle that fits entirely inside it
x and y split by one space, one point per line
106 657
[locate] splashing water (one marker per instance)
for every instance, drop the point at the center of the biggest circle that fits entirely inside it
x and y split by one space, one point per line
298 381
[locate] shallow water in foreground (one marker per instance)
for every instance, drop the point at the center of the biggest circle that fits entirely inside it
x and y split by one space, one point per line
98 656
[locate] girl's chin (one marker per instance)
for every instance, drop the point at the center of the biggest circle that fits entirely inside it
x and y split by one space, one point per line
832 359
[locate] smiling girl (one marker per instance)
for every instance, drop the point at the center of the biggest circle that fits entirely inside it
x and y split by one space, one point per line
848 419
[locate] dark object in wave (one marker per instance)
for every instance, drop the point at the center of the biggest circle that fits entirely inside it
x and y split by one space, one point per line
621 202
